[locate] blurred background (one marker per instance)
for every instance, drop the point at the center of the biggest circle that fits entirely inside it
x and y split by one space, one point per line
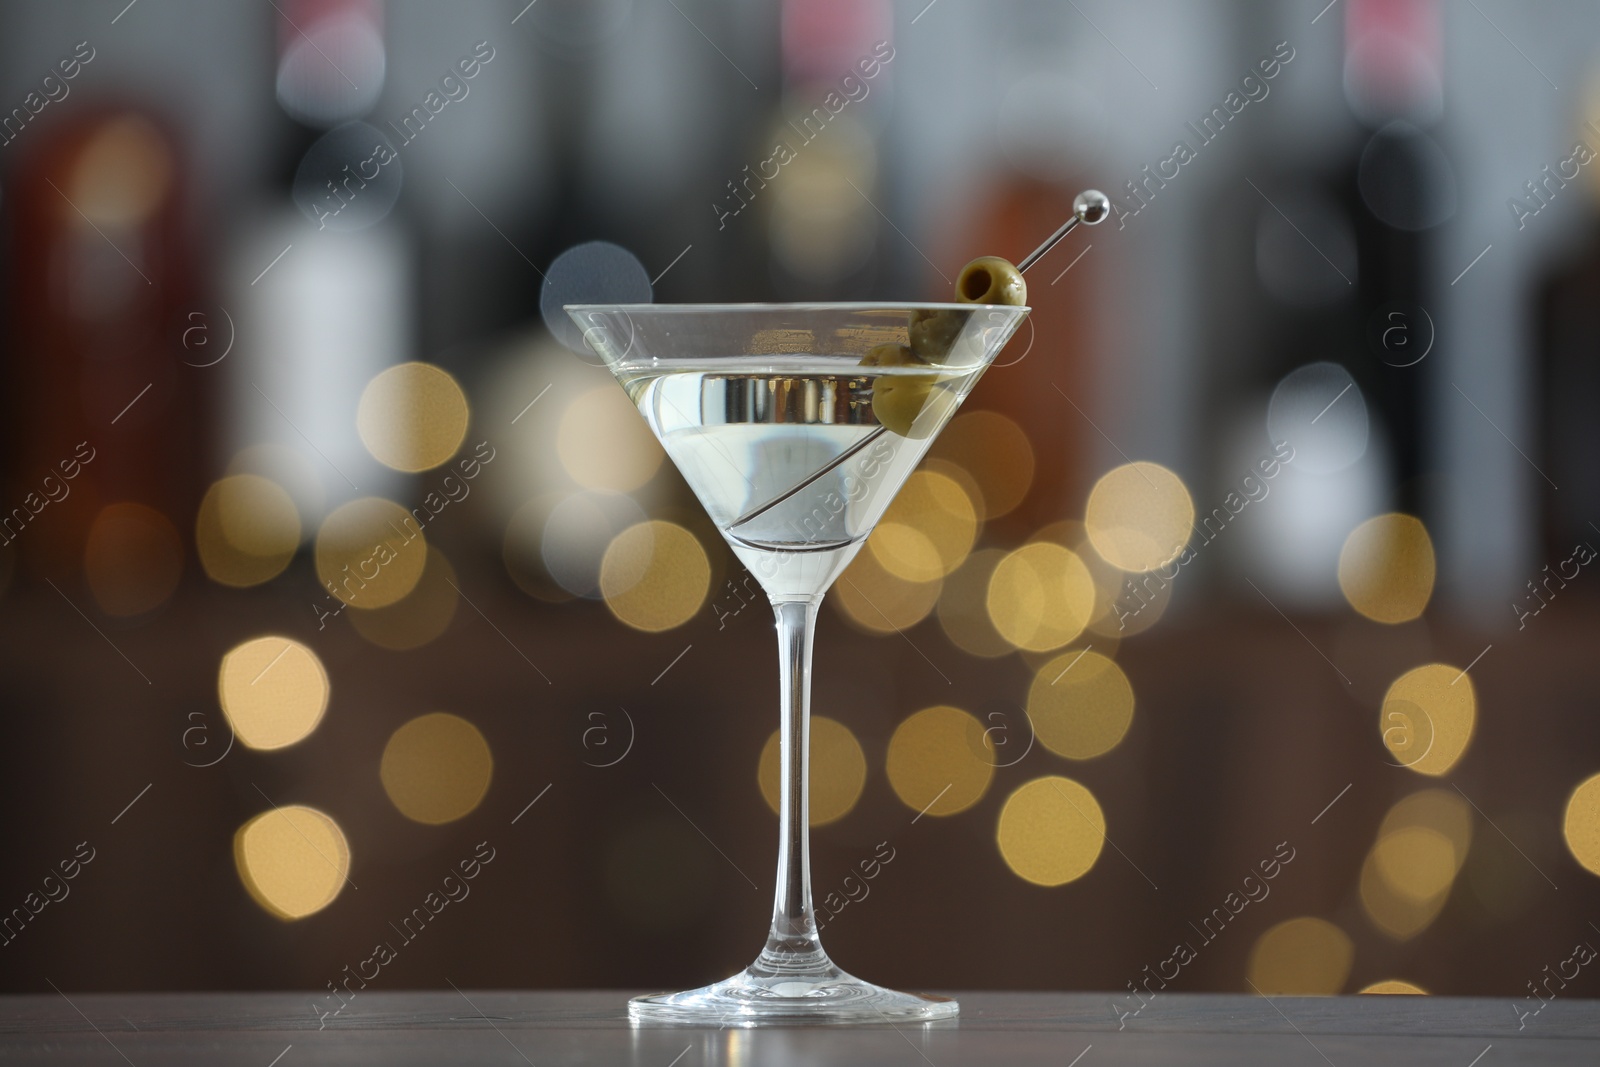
335 569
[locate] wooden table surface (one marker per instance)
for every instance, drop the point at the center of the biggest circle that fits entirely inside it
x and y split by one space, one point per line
564 1028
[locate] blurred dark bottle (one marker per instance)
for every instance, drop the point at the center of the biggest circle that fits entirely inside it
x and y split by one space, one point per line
1344 247
1400 187
1568 323
104 418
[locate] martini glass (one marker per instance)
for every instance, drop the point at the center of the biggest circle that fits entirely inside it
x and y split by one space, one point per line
774 421
796 425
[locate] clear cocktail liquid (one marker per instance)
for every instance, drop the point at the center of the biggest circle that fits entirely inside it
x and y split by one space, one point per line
790 461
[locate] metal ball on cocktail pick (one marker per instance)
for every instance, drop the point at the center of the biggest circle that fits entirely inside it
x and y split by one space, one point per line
1090 207
991 280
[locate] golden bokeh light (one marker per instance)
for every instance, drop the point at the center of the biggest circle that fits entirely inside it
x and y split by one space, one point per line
878 601
436 768
1081 704
905 552
1444 810
962 477
927 531
1417 862
416 618
995 451
1304 957
1051 831
412 417
655 575
1139 516
1427 718
964 606
939 762
1397 915
1386 568
604 444
1394 985
1441 810
1124 604
1421 846
370 552
132 560
273 690
247 530
1040 596
838 771
293 860
1580 826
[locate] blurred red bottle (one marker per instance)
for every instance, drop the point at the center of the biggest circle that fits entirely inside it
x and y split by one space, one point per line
101 402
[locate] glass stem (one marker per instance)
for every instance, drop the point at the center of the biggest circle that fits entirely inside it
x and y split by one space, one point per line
792 945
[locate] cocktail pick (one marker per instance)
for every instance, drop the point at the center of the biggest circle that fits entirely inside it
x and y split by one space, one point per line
1090 206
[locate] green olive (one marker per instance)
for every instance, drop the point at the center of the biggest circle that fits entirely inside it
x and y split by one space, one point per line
897 399
991 280
933 332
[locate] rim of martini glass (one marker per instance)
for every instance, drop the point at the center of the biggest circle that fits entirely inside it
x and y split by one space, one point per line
823 305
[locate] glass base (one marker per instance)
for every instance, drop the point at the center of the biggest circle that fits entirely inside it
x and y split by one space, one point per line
752 998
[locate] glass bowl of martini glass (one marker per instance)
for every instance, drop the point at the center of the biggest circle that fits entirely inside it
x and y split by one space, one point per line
795 425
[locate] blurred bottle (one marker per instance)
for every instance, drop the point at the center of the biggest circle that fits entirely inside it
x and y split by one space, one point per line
1400 186
1050 128
1568 321
1344 249
105 424
316 283
815 177
1342 252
